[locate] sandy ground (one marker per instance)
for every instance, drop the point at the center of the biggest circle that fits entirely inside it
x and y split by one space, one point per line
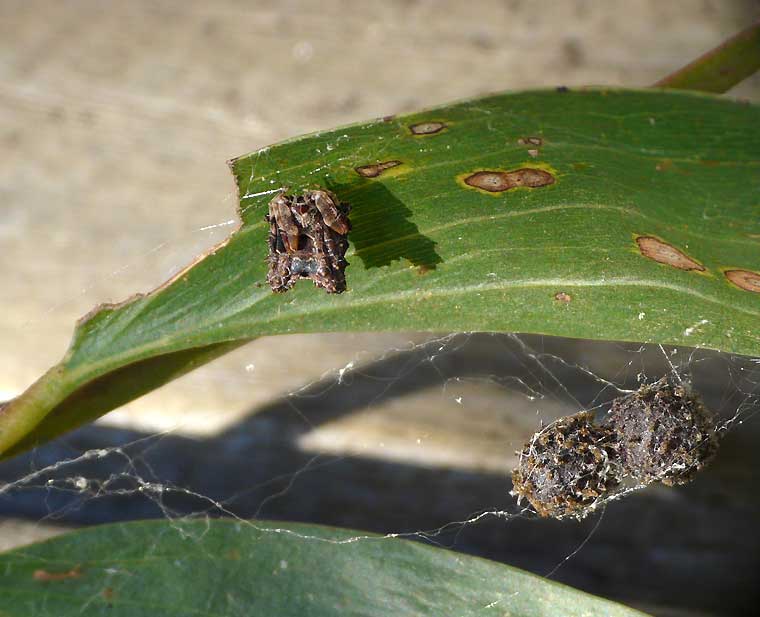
116 122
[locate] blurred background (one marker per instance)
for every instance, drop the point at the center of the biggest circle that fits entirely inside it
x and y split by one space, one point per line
116 120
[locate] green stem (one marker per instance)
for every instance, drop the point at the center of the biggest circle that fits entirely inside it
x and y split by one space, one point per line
720 69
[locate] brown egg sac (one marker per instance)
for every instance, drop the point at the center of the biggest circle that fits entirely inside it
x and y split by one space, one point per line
660 433
664 432
567 466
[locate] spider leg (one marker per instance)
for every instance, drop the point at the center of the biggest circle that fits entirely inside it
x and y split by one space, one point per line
279 277
329 208
322 275
335 249
279 208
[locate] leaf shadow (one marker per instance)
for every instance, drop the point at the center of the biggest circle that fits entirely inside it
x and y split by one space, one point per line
381 227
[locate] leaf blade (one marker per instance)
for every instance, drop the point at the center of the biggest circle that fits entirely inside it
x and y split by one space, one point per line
228 568
429 251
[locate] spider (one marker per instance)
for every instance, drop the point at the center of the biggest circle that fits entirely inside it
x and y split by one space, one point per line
307 239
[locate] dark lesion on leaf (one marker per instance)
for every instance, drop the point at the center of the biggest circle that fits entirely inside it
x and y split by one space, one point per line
530 141
48 576
744 279
500 181
662 252
373 170
427 128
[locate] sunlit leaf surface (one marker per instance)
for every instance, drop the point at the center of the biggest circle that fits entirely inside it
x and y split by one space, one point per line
605 214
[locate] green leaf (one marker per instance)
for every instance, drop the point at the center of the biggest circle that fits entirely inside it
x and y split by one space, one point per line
648 231
231 568
720 69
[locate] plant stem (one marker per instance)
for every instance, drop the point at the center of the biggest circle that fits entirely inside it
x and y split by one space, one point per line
720 69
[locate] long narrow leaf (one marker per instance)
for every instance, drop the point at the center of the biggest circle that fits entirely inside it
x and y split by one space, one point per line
722 68
225 568
605 214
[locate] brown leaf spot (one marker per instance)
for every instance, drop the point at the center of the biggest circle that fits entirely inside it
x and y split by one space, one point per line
530 177
561 296
664 253
530 141
44 575
373 171
427 128
498 181
491 181
744 279
664 165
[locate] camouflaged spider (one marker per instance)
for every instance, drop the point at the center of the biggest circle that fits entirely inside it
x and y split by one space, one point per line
307 239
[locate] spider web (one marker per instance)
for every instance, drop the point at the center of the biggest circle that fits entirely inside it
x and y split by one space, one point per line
414 436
